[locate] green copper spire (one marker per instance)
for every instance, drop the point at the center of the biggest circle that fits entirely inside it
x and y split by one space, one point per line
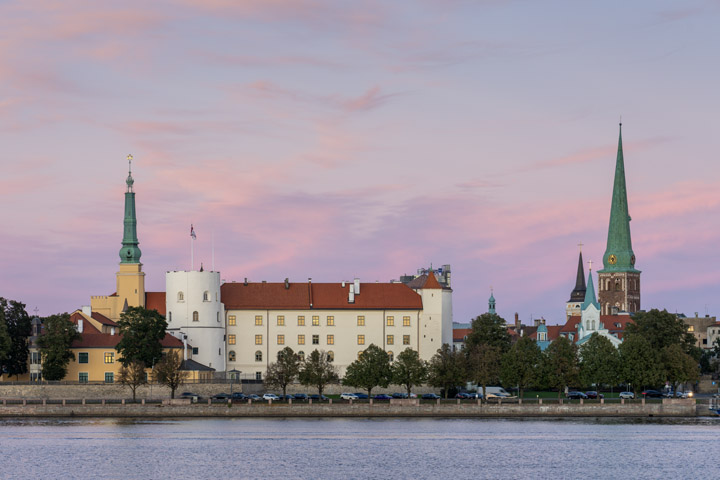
491 303
590 298
130 253
619 256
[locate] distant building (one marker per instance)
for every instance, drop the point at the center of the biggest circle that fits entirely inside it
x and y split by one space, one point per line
703 328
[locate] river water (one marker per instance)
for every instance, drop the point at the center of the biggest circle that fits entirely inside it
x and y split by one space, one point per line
359 448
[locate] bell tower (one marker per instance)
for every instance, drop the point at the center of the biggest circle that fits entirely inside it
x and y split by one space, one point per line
619 280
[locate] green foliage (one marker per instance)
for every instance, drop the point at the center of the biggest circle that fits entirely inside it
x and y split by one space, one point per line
447 369
283 372
679 367
640 362
484 365
409 369
488 329
133 375
59 334
371 370
318 371
599 362
169 373
661 329
521 364
17 326
560 364
141 330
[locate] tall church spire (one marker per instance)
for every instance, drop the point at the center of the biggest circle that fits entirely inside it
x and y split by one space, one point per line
590 293
619 256
578 293
130 253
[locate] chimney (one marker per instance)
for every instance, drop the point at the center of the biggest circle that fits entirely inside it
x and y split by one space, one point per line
543 321
536 322
87 310
287 283
80 325
351 295
184 347
343 284
245 282
112 330
357 286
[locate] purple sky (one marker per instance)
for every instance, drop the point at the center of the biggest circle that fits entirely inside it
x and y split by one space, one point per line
333 139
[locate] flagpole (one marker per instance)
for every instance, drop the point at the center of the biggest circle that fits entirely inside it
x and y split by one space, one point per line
192 250
213 251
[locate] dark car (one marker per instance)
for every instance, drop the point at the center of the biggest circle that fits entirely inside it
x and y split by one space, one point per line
289 396
576 396
652 394
399 395
316 397
192 396
594 395
361 396
430 396
382 396
300 396
221 396
238 396
463 396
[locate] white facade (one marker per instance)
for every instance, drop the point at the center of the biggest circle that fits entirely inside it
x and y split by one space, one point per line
590 323
194 309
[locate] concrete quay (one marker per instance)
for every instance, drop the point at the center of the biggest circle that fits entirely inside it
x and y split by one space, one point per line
182 408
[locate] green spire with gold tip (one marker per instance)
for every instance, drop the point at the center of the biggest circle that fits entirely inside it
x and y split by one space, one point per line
619 256
130 253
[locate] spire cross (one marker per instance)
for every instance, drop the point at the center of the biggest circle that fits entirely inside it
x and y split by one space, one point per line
129 159
590 262
580 245
36 310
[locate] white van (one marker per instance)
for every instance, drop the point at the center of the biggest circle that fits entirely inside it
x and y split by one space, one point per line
492 392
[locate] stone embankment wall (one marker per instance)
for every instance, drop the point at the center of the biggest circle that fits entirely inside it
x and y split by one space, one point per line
666 408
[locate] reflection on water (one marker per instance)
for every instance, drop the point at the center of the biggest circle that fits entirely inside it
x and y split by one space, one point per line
355 448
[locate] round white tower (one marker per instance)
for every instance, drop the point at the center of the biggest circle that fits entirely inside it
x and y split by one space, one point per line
193 307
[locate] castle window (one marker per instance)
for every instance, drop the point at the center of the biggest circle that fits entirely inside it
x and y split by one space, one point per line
301 339
231 339
406 321
330 356
361 320
281 339
390 339
82 357
206 296
361 339
258 356
331 339
316 339
169 316
301 320
390 321
109 377
196 316
406 339
181 297
232 320
231 356
258 339
391 356
316 320
281 320
83 377
301 356
258 319
109 357
330 321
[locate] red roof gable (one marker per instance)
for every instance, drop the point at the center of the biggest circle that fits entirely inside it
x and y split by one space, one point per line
155 301
93 338
459 334
431 281
303 296
103 319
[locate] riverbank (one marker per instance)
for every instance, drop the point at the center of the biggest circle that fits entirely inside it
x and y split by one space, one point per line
666 408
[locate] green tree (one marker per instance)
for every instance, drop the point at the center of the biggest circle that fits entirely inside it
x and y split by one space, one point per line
560 364
484 366
679 367
59 334
370 370
5 342
447 369
318 371
661 329
133 375
409 370
18 328
169 371
488 329
142 331
284 371
599 362
640 362
521 364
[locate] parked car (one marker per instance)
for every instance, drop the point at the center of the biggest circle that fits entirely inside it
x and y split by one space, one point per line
270 396
430 396
683 394
652 394
361 396
221 396
576 395
463 396
316 397
627 395
594 395
300 396
348 396
238 396
399 395
192 396
288 396
382 396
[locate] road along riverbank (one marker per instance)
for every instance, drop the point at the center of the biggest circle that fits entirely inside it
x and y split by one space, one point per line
666 408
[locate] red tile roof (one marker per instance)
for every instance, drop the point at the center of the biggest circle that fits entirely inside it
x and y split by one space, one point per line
93 338
459 334
431 281
103 319
155 301
571 324
303 296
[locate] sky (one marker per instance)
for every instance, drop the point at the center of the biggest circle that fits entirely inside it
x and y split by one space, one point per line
342 139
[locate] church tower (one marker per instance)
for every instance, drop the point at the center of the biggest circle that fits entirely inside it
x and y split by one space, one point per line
573 306
619 280
491 303
130 279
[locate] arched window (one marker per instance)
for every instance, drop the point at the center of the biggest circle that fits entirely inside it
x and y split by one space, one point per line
391 356
181 297
231 356
206 296
169 316
196 316
330 356
258 356
301 356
